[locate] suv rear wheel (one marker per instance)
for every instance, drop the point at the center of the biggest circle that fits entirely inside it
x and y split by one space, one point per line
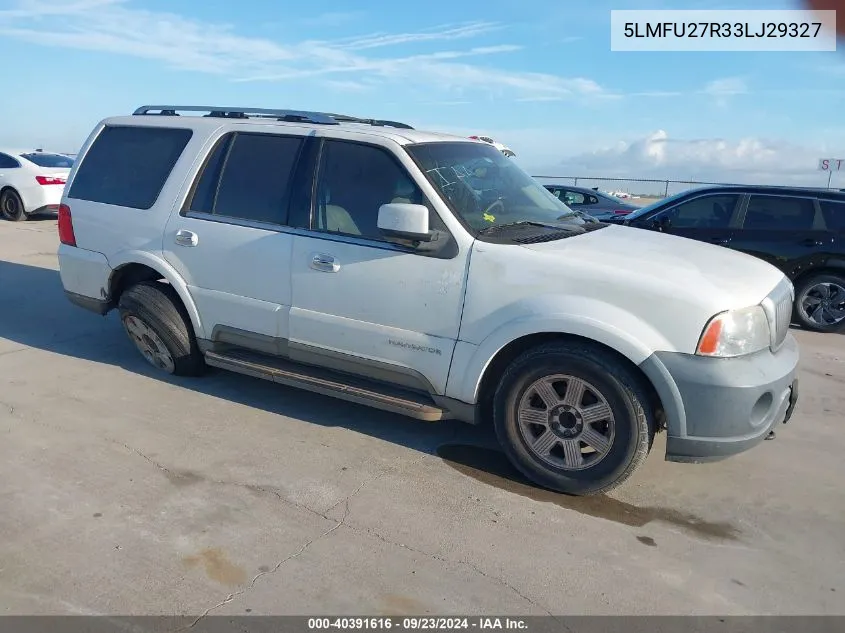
820 303
158 324
573 418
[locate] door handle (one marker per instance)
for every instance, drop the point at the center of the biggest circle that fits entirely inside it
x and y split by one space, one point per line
324 263
186 238
720 241
810 242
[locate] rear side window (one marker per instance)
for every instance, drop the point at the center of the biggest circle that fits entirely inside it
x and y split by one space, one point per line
247 176
774 213
128 166
834 215
7 162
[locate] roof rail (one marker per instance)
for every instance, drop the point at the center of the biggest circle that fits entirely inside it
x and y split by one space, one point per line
238 113
295 116
343 118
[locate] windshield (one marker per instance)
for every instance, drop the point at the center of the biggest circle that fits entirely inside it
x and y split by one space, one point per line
49 160
486 188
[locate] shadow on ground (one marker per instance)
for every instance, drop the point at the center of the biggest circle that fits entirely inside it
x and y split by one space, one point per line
37 315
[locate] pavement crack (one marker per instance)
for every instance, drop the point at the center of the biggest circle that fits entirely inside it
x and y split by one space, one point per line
232 596
161 467
441 559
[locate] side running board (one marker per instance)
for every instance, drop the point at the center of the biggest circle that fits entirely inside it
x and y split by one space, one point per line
329 383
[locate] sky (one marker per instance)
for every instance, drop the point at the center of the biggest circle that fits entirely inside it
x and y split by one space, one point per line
537 75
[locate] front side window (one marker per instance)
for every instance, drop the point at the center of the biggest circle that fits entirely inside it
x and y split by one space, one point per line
247 176
127 166
834 215
354 181
776 213
573 198
707 212
486 189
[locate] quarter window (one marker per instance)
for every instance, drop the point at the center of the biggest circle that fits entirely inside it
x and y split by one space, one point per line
709 212
775 213
354 181
127 166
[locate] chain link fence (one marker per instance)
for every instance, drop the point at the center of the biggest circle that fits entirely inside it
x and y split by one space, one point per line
641 189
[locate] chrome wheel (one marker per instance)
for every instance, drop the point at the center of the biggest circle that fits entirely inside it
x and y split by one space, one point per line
566 422
824 304
149 344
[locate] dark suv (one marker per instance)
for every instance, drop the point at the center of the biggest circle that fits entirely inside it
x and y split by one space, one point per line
799 230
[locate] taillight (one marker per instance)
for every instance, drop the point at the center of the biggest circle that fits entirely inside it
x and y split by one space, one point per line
66 235
50 180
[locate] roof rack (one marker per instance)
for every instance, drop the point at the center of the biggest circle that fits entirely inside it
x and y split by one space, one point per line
238 113
343 118
294 116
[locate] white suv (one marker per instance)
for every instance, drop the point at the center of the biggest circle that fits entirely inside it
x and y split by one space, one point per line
426 275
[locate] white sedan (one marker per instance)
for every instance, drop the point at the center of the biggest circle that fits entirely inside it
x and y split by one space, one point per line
31 182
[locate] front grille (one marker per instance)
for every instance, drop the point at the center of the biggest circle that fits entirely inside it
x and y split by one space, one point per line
778 306
783 318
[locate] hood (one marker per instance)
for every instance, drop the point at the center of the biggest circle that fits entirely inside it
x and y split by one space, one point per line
668 265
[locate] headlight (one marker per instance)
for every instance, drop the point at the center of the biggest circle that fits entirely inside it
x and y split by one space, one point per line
735 333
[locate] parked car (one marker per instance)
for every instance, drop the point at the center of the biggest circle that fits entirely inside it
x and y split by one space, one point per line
507 151
31 182
355 260
799 230
595 203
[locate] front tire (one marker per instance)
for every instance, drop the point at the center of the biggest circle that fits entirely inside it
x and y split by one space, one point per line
573 418
11 206
820 303
158 324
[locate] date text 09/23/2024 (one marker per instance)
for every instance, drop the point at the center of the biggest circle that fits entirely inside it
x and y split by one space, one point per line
416 623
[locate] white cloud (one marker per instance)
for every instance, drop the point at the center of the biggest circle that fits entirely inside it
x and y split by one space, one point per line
659 156
721 90
444 32
115 27
726 87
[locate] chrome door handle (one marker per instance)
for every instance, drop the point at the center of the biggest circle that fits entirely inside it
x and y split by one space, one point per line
324 263
186 238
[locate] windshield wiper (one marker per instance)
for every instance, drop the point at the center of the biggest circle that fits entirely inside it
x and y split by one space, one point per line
497 227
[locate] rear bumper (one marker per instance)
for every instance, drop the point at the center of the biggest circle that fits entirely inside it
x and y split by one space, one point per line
85 278
716 408
98 306
42 198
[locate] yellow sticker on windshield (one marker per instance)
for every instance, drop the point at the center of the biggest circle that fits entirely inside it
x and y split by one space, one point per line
489 218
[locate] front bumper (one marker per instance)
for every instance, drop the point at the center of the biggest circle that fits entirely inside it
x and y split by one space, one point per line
718 407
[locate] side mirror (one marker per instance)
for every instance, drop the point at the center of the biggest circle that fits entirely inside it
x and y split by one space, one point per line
404 221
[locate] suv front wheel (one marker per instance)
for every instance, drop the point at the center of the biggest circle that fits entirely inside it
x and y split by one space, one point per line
573 418
820 303
158 324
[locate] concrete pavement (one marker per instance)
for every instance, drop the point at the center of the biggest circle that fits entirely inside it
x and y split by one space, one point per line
125 492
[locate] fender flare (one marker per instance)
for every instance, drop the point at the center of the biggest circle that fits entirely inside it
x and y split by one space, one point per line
465 382
126 258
